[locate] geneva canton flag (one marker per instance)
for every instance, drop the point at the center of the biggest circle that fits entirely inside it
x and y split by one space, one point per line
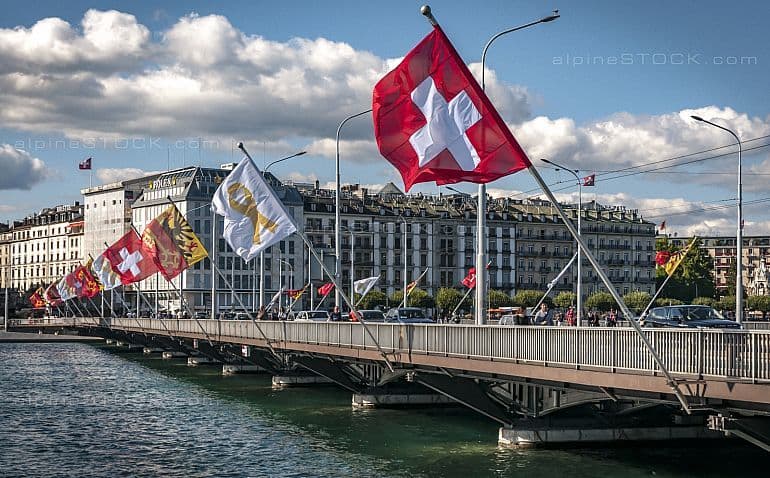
433 122
254 216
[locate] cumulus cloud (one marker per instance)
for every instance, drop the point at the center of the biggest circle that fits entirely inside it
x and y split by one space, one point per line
200 77
624 140
20 169
113 175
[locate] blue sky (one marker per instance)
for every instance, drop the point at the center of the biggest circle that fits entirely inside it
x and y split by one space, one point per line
609 85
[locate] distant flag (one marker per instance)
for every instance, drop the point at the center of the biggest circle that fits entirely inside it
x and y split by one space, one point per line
52 295
363 286
662 226
101 268
670 260
413 285
172 243
470 280
275 299
37 299
295 294
130 259
325 289
255 218
86 285
433 121
85 164
589 180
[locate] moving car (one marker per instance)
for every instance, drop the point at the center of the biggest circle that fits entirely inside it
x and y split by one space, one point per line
407 315
688 316
311 316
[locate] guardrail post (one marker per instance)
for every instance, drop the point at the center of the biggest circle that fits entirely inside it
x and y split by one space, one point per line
701 358
753 343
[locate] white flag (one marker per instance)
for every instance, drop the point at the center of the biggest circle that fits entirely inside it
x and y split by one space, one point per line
275 299
363 286
255 218
102 271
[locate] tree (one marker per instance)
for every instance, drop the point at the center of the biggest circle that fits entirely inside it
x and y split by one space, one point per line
602 301
564 299
705 301
528 298
498 298
760 303
693 278
732 274
664 301
373 299
727 303
447 299
637 300
418 298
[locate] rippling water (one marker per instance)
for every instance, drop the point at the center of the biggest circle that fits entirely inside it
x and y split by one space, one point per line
79 410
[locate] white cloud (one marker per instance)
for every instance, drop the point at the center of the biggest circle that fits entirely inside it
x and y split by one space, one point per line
20 170
201 77
624 140
113 175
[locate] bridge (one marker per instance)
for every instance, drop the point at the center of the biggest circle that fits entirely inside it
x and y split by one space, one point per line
525 377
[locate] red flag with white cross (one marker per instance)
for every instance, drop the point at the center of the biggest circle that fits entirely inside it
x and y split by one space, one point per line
433 122
130 259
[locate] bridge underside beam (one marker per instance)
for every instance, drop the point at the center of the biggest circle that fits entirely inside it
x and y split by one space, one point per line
331 370
755 430
467 392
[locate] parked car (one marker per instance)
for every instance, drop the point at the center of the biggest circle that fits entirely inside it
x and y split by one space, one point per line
311 316
688 316
372 315
407 315
202 314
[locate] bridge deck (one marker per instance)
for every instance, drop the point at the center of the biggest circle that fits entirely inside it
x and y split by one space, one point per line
716 364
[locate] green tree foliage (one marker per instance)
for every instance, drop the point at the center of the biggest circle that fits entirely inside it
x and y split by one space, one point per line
711 302
760 303
564 299
373 299
418 298
732 273
663 301
447 299
601 301
498 298
693 278
637 300
727 303
528 298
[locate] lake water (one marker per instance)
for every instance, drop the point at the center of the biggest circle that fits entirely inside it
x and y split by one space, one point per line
86 411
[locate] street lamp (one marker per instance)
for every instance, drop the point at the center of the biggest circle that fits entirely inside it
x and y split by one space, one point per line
262 253
406 264
481 218
739 234
579 252
337 205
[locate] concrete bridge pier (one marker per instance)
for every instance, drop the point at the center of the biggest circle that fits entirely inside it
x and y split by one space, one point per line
173 354
384 397
237 369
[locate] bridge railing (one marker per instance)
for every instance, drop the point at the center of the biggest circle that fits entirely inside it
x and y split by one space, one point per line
691 352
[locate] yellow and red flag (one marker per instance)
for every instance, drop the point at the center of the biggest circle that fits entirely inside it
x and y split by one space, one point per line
37 299
172 243
671 260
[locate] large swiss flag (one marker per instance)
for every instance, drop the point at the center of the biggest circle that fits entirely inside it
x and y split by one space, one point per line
131 259
433 122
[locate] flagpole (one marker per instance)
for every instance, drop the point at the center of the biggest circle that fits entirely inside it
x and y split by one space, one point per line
213 259
660 289
251 316
552 284
323 266
462 300
615 295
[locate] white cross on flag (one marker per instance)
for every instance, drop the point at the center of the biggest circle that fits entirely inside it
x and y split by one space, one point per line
433 122
130 259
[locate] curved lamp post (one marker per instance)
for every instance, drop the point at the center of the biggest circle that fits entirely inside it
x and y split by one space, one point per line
739 234
579 252
337 206
481 216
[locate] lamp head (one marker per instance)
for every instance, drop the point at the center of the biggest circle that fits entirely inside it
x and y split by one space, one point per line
550 17
697 118
240 145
